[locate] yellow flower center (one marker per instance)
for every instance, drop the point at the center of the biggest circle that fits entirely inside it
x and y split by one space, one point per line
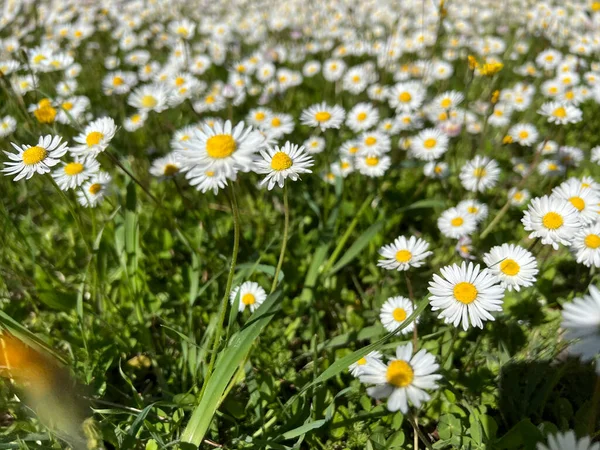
592 241
578 203
399 314
518 196
429 143
93 138
182 31
95 188
322 116
361 361
67 106
148 101
479 172
405 97
345 165
353 150
170 170
510 267
281 161
569 95
457 221
220 146
552 166
552 220
248 299
38 59
275 122
136 118
73 168
259 116
118 81
465 292
445 103
372 160
45 112
403 256
34 155
399 373
179 81
561 113
361 116
524 134
370 141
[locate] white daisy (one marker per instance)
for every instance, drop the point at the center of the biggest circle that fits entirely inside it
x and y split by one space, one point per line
252 295
165 167
374 143
284 162
92 192
512 265
581 320
552 219
406 96
465 294
586 201
404 253
362 117
8 124
95 138
323 116
523 134
356 369
429 144
436 169
456 223
586 245
560 113
373 166
74 174
35 159
206 179
568 441
149 97
518 197
394 312
479 174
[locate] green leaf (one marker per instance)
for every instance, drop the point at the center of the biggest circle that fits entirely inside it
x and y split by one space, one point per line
358 245
423 204
227 364
304 429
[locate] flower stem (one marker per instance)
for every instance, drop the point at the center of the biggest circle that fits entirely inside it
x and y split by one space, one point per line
286 226
412 301
418 431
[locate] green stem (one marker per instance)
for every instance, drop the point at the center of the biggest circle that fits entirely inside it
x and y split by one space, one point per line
418 431
347 234
133 178
286 226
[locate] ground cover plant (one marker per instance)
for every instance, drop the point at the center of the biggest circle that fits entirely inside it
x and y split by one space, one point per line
300 225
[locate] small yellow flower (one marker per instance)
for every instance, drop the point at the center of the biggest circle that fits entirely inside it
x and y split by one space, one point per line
490 69
495 96
45 113
473 64
507 140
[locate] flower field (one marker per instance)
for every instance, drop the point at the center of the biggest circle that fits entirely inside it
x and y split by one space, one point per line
335 225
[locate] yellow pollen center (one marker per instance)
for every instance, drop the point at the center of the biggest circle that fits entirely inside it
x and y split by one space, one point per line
561 113
524 134
510 267
179 81
479 172
170 170
592 241
405 97
518 196
457 221
345 165
578 203
361 116
136 118
148 101
220 146
34 155
259 116
67 106
446 103
361 361
118 81
403 256
281 161
399 314
465 292
73 168
275 122
569 95
372 160
353 150
248 299
38 59
93 138
95 188
429 143
552 220
322 116
370 141
399 373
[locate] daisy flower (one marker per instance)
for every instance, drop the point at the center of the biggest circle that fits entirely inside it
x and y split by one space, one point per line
394 312
8 124
165 167
205 180
342 168
374 143
465 294
135 122
551 168
252 295
523 134
581 320
568 441
356 369
448 100
404 379
35 159
518 197
456 223
373 166
222 149
479 174
512 265
438 170
429 144
278 125
404 253
323 116
478 210
560 113
552 219
362 117
315 144
284 162
150 97
74 174
406 96
586 246
95 138
92 192
586 201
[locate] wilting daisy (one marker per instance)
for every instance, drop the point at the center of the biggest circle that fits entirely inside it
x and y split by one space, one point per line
284 162
586 201
150 97
356 369
512 265
581 320
560 113
165 167
35 159
456 223
465 294
74 174
586 245
552 219
92 192
404 253
222 149
479 174
568 441
429 144
394 312
95 138
404 378
252 295
323 116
